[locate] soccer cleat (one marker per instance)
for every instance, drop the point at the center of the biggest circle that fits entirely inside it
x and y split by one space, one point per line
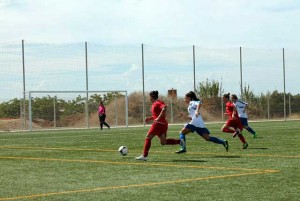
181 151
245 145
254 136
226 145
141 158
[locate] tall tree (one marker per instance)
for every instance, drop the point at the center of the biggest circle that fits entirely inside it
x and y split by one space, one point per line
209 89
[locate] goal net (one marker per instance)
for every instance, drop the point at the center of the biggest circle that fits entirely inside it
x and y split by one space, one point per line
75 109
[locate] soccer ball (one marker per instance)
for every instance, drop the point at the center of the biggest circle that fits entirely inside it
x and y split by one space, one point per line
123 150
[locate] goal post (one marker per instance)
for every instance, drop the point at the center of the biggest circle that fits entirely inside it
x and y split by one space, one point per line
75 109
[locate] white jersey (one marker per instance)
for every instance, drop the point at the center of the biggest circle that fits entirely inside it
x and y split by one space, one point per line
196 121
241 108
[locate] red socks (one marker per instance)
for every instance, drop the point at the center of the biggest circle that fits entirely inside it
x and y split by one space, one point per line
147 146
242 138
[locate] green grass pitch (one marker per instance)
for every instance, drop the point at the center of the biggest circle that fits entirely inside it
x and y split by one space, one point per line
85 165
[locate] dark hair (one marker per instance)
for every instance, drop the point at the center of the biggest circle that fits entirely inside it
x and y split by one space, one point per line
154 94
234 96
192 95
226 95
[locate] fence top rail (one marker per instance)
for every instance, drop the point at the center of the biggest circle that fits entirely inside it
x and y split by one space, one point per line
125 91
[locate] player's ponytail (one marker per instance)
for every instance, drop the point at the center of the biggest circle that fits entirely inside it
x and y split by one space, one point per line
192 95
234 96
226 96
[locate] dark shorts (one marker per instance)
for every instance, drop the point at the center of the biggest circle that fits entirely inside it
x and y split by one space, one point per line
244 121
102 117
199 131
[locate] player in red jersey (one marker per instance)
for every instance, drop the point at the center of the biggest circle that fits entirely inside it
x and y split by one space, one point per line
233 124
159 126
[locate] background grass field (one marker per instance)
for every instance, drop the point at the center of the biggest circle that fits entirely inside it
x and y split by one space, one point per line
85 165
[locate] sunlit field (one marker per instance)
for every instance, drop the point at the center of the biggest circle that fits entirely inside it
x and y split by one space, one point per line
85 165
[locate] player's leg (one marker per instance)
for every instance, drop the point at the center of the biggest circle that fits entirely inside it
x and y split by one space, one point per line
104 117
106 124
227 128
247 127
100 122
238 125
147 146
185 130
163 129
204 132
168 141
155 129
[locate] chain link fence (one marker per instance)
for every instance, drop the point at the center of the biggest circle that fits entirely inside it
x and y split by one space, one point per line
267 79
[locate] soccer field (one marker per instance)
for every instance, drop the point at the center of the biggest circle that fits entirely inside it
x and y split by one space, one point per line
85 165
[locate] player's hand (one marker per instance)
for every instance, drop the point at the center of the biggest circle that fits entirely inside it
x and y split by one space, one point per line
147 119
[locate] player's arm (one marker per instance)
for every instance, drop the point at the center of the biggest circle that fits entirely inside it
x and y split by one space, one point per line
162 113
197 112
147 119
182 114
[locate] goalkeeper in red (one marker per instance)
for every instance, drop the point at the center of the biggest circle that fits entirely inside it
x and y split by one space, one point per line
159 126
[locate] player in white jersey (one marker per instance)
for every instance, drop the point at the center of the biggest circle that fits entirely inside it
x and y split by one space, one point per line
241 109
196 123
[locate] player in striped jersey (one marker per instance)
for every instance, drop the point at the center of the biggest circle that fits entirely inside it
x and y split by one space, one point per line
241 109
196 124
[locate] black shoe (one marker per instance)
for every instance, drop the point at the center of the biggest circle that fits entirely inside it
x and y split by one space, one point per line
245 145
226 145
181 151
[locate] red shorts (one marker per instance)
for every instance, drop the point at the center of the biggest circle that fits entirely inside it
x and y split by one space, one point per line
235 123
158 128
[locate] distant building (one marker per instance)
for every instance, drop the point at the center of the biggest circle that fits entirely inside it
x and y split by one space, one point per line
172 93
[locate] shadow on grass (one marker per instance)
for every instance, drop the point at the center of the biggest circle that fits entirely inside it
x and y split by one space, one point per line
261 148
227 156
191 161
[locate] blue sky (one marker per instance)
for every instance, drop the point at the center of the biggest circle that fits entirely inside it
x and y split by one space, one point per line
170 24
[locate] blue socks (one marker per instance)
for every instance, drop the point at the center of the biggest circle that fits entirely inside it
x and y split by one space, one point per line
182 141
251 130
216 140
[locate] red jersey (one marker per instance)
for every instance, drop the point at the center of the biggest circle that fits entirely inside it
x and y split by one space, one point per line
156 109
229 109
